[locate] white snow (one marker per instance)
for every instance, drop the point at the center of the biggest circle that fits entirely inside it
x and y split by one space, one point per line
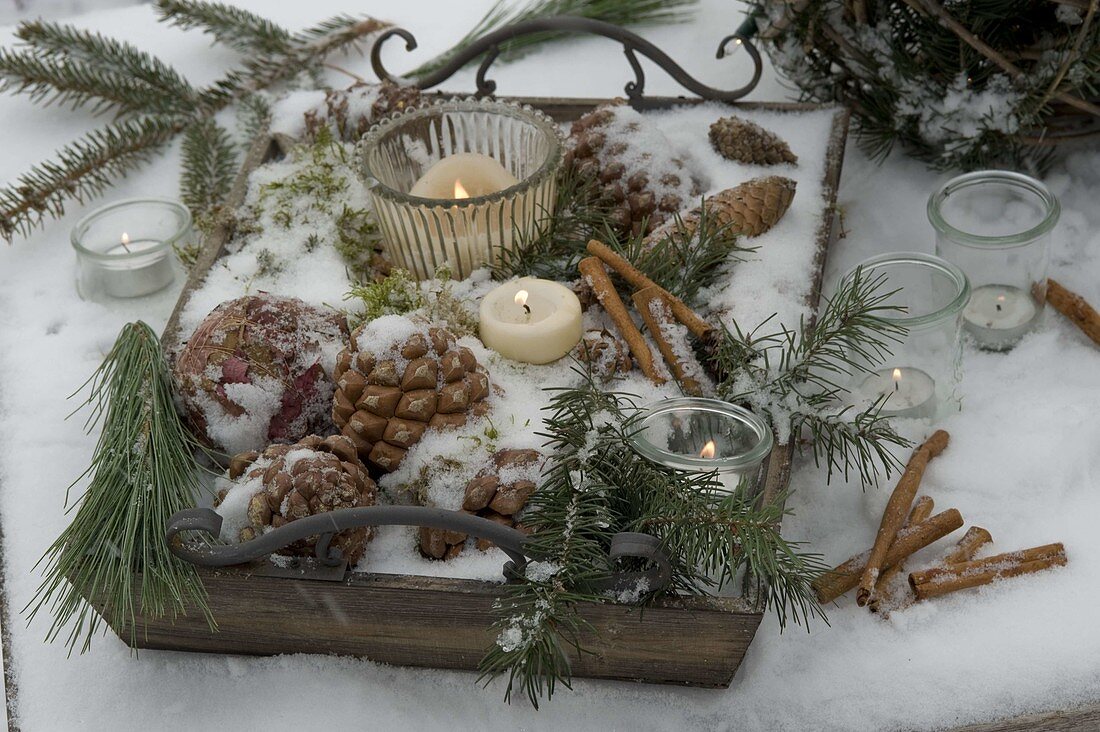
1022 462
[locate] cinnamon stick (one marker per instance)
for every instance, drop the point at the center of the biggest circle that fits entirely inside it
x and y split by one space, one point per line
654 308
943 580
592 270
974 539
698 327
1076 308
896 509
840 579
883 595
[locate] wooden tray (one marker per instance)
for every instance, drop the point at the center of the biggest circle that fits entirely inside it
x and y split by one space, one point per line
446 623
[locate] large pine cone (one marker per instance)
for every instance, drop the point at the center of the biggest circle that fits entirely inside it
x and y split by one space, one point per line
389 395
498 493
632 164
350 112
747 142
255 371
294 481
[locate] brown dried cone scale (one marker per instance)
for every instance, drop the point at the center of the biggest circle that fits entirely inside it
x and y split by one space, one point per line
747 142
498 493
295 481
615 148
605 353
350 112
386 401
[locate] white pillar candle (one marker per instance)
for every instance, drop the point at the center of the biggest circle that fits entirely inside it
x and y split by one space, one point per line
999 315
909 392
531 320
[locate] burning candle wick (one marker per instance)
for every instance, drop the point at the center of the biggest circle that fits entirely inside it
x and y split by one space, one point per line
521 300
708 450
897 379
125 241
460 190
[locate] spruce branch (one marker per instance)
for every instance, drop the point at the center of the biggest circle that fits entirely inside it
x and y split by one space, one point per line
209 165
235 27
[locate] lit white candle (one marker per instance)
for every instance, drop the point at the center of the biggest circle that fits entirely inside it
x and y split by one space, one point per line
999 315
531 320
463 175
909 392
133 268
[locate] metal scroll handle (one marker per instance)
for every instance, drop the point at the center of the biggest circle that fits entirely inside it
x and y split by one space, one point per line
324 525
490 43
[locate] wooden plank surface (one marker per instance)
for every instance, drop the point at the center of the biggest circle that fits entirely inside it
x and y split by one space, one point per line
1080 719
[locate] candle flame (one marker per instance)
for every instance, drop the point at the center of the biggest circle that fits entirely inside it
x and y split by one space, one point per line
460 190
125 239
897 374
708 450
1000 298
521 298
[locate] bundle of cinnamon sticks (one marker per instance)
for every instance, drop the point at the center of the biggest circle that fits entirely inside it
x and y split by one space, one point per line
908 526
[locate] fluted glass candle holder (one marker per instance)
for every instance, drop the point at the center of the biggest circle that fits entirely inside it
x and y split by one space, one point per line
997 227
456 227
920 377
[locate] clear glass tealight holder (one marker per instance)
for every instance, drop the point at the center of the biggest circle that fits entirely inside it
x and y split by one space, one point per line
459 183
127 249
997 227
698 435
920 377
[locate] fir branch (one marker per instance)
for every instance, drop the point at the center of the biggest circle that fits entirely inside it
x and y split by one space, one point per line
253 117
209 165
235 27
142 472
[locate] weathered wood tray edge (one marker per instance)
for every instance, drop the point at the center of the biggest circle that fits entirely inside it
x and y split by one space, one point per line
445 623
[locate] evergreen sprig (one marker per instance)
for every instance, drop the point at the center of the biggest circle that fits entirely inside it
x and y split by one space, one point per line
209 166
596 485
142 472
231 26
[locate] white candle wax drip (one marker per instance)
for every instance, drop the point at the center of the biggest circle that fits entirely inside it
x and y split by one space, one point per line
909 392
997 316
531 320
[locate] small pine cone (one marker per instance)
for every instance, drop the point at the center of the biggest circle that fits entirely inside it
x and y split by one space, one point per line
606 354
389 395
350 112
294 481
749 209
498 493
747 142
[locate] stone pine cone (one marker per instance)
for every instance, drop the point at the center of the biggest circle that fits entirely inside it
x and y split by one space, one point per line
606 353
384 403
350 112
617 149
254 371
313 476
498 493
749 209
747 142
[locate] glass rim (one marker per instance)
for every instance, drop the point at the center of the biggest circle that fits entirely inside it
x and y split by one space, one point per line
1018 180
692 463
165 244
929 261
373 137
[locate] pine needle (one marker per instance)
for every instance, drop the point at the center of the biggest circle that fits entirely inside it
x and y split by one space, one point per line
209 166
113 553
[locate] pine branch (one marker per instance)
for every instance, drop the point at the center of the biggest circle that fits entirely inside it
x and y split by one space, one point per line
209 166
235 27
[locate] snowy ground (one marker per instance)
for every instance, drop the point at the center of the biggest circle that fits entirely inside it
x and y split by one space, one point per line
1023 463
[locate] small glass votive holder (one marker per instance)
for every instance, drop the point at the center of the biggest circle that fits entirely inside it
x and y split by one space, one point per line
127 249
515 149
997 227
920 377
698 435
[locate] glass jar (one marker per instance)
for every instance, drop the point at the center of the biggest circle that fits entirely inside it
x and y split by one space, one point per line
996 226
515 150
698 435
127 249
920 377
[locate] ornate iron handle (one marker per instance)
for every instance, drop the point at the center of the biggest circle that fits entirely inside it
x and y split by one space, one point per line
324 525
632 45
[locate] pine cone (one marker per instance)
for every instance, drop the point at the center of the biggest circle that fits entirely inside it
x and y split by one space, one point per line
389 394
747 142
750 209
632 165
294 481
498 493
254 371
350 112
606 354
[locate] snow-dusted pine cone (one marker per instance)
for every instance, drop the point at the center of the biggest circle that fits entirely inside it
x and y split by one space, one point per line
350 112
747 142
498 493
633 164
258 370
398 380
288 482
605 353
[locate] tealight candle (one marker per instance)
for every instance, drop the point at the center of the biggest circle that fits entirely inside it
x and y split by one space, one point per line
999 315
531 320
909 392
463 175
